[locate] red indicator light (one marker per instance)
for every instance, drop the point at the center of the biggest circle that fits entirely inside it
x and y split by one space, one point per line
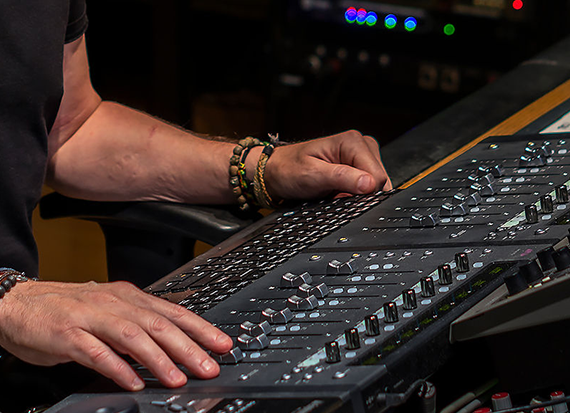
517 4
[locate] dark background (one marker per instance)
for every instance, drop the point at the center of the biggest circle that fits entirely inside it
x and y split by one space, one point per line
239 67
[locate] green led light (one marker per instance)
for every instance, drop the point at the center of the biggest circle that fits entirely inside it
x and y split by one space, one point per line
449 29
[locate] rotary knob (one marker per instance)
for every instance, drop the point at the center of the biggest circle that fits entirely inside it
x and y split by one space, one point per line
352 339
561 258
531 272
445 275
332 351
561 192
515 283
372 325
531 214
390 312
546 204
427 287
409 300
545 259
462 262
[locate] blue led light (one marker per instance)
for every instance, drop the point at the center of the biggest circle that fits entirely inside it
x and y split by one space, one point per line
361 16
371 18
350 15
410 24
390 21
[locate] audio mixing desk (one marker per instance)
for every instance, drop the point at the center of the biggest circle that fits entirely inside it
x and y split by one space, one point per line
345 305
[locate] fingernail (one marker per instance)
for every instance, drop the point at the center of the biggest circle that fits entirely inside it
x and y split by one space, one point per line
176 375
138 384
208 365
364 183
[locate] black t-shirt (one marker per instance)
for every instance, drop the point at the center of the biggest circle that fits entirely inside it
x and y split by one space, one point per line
32 37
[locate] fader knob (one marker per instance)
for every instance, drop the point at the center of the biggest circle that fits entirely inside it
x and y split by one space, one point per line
445 275
296 303
276 317
253 329
531 272
546 204
561 258
531 214
561 192
409 300
545 259
352 339
428 287
390 312
515 283
462 262
290 280
320 291
332 351
453 210
472 199
527 161
372 325
247 342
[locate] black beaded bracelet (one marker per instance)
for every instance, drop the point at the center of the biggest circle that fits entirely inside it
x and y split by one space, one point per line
9 277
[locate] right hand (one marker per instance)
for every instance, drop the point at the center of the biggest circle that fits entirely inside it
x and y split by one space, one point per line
48 323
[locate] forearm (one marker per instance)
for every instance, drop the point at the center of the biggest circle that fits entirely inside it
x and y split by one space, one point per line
121 154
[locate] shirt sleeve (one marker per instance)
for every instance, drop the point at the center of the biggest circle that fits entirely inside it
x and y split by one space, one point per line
77 23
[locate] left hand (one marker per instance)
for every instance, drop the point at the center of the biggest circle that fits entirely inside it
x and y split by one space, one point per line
344 163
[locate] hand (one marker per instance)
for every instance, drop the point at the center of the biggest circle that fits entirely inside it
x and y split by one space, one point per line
345 163
47 323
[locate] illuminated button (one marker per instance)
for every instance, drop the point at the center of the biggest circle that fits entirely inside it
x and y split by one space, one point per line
410 24
390 21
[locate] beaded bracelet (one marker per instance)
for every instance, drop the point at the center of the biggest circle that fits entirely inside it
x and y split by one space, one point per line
8 279
241 187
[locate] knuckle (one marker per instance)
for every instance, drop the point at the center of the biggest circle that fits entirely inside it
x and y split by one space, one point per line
129 332
158 325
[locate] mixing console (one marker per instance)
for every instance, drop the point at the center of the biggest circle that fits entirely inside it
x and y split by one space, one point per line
345 305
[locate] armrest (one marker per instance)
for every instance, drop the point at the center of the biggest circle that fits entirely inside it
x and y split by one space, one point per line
210 224
146 240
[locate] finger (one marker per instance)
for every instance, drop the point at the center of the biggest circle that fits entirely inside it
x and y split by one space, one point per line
195 326
384 181
134 339
92 353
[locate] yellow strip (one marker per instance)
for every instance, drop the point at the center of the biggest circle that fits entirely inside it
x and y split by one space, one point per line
509 126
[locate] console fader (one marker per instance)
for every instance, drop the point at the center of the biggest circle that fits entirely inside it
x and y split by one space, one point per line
337 304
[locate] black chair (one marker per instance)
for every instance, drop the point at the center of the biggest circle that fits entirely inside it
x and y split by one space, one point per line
146 240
